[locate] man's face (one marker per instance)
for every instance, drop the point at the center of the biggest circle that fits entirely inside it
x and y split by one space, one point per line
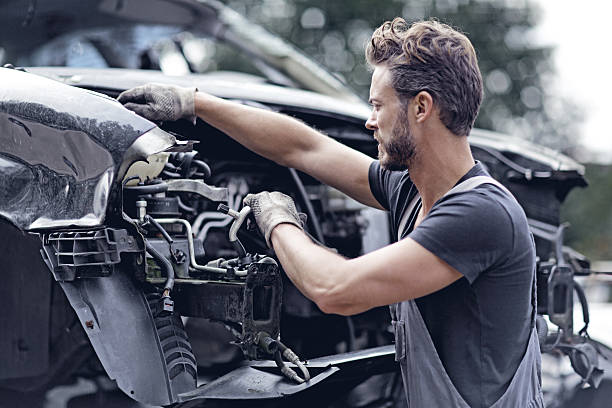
390 123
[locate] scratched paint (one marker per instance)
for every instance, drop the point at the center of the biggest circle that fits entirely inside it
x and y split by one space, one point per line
60 151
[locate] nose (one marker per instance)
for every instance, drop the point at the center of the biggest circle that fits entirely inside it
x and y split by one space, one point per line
371 123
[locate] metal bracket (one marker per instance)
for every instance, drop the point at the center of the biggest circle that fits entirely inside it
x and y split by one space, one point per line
198 187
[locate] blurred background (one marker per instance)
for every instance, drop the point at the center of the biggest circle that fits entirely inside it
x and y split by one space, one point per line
545 66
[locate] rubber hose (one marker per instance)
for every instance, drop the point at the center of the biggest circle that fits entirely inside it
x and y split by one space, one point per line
148 189
309 209
585 306
163 263
204 167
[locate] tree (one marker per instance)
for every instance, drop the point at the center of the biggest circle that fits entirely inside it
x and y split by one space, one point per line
516 73
589 215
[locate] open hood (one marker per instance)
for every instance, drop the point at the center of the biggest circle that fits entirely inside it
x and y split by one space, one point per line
28 25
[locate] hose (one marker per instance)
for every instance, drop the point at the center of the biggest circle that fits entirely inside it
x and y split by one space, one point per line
309 209
189 234
184 206
204 167
286 371
148 189
584 305
321 241
220 220
286 352
161 229
127 180
279 350
163 263
239 218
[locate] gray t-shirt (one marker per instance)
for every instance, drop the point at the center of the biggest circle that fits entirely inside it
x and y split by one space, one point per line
480 324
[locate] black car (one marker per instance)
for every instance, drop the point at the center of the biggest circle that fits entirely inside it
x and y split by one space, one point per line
127 254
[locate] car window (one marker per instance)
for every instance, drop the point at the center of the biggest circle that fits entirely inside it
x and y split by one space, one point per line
163 47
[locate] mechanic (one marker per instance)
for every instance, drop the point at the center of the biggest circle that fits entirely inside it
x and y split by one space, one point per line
461 277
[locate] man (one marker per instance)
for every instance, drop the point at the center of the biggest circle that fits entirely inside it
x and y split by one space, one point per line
463 267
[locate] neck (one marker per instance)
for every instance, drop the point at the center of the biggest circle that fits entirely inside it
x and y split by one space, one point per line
436 170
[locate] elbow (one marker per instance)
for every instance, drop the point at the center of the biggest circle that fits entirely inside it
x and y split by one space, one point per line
333 301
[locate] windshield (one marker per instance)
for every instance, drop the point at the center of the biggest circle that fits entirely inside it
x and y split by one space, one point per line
165 48
177 38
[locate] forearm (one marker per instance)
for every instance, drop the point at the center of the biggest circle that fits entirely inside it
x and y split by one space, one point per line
321 275
275 136
290 143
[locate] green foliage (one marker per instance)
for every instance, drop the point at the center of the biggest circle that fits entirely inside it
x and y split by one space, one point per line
517 74
588 212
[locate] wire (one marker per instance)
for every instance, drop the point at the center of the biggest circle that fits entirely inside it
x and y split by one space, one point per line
527 173
164 264
286 371
127 180
293 358
30 14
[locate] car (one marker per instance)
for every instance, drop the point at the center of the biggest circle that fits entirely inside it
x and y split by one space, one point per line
128 256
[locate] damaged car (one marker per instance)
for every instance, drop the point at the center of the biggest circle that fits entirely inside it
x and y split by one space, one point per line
127 255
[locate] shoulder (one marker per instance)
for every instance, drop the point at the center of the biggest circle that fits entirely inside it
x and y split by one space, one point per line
485 205
471 231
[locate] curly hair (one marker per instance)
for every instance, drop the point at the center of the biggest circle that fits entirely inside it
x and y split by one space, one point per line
433 57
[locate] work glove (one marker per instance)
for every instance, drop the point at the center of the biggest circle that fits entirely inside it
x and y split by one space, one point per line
271 209
159 102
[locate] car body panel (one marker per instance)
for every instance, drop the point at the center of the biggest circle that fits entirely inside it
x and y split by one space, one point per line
61 149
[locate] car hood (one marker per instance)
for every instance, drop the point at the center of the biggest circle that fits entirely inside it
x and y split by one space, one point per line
251 88
27 27
230 85
62 150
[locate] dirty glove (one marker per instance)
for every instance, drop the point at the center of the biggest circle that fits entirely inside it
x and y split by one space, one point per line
271 209
159 102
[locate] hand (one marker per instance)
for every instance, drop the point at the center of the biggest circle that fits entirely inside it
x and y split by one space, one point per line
271 209
159 102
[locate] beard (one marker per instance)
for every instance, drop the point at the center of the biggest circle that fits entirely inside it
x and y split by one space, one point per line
399 152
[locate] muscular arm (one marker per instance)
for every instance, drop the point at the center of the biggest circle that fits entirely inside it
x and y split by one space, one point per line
398 272
290 143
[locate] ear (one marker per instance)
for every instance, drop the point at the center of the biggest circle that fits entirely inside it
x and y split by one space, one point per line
423 106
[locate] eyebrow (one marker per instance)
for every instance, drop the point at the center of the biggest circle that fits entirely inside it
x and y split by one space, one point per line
372 100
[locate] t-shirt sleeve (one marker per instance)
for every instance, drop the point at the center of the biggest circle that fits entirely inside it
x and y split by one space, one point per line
379 183
471 232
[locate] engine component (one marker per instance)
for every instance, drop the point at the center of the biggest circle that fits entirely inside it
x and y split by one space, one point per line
239 218
248 305
185 165
198 187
